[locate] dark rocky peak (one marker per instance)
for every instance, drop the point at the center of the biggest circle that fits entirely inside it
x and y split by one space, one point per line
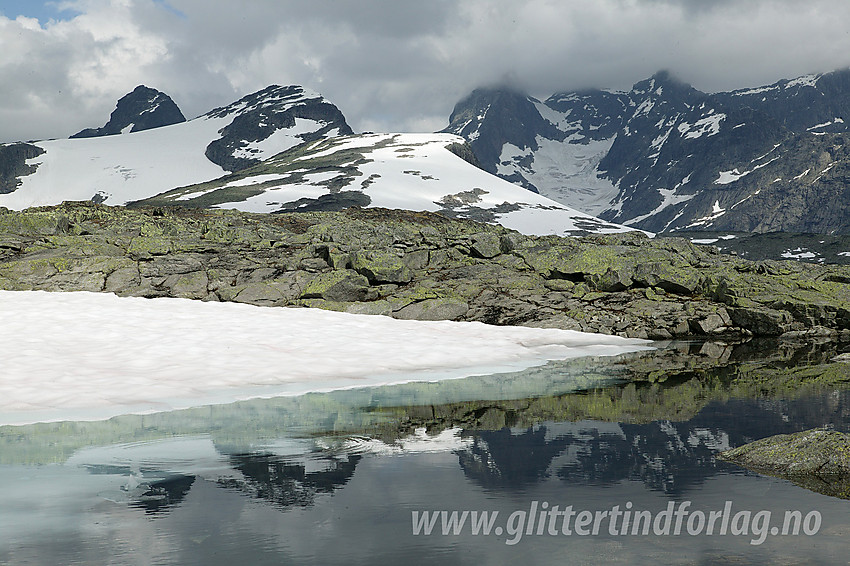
489 118
658 103
142 109
259 115
472 110
663 95
675 143
664 82
493 104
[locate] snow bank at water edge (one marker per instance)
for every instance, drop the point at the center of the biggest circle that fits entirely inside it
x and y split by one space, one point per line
90 356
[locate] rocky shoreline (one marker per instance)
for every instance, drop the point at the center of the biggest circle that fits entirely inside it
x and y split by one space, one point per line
416 265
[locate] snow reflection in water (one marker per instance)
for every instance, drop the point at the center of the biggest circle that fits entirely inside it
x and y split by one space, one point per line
235 489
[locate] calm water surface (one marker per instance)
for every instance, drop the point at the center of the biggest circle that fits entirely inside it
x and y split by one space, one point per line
337 478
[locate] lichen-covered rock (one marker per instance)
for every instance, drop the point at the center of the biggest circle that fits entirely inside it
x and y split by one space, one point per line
420 265
761 320
381 266
341 286
679 279
817 459
486 245
612 280
711 323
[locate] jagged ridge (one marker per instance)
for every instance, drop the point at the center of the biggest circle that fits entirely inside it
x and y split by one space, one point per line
666 157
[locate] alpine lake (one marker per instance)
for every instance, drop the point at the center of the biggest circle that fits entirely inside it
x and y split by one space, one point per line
347 477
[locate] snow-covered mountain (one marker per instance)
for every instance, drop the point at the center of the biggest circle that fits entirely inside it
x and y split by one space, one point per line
665 156
402 171
285 149
117 169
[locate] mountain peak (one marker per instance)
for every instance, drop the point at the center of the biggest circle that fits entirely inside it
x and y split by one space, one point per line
491 117
257 116
118 169
666 76
142 109
272 97
474 107
665 156
662 81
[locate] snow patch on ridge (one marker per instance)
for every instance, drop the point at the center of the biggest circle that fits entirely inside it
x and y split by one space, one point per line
280 140
669 198
139 165
716 212
726 177
804 81
159 159
708 126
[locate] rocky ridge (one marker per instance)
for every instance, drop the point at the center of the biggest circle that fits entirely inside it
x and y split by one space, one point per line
420 266
403 171
665 157
13 164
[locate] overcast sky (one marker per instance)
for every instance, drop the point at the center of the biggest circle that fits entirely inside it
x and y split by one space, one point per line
390 65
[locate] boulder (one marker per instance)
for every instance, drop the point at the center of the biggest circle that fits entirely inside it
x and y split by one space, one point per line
612 281
761 320
433 309
681 280
341 286
708 324
381 266
817 459
486 245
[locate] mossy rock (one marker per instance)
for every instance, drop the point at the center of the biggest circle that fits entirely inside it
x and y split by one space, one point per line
381 266
817 459
486 245
628 282
148 246
44 223
341 286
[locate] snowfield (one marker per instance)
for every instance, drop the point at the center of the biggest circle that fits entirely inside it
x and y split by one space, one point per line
124 167
136 165
91 356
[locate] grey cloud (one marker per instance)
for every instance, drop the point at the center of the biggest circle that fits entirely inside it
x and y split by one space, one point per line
398 65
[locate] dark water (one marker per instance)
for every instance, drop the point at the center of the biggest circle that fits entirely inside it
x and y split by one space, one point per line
337 478
812 248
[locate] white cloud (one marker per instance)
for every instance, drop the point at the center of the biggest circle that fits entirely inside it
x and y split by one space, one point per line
394 65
